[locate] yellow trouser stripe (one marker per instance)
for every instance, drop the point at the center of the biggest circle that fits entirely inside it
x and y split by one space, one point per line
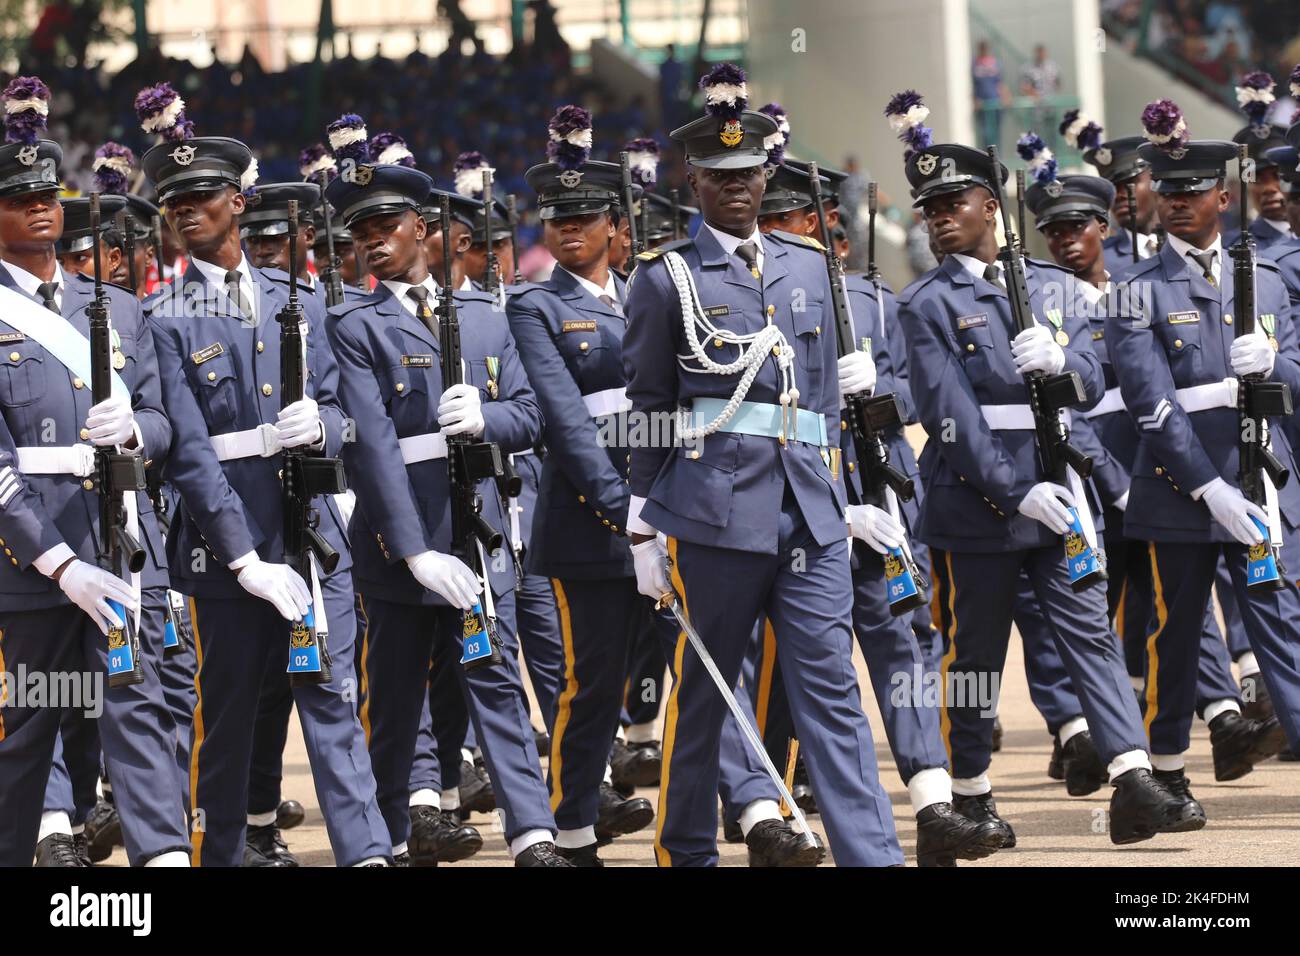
1119 611
196 834
945 722
565 707
4 689
365 673
670 716
1153 652
765 676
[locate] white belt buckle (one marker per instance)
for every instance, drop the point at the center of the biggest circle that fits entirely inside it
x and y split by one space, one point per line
270 440
85 460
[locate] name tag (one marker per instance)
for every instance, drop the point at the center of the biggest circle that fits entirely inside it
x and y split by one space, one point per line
417 361
579 325
965 322
211 352
1183 318
716 310
8 338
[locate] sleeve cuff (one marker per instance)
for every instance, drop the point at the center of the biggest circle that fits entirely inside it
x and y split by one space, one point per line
139 438
634 523
50 561
238 564
1199 493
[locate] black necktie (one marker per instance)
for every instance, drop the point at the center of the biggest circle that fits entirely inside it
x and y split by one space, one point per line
235 293
421 296
46 291
1206 261
609 301
748 251
993 275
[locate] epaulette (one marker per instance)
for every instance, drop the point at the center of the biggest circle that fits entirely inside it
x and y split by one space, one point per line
1142 267
1279 251
860 280
916 285
473 295
1268 264
1047 264
278 275
651 254
795 240
348 306
90 281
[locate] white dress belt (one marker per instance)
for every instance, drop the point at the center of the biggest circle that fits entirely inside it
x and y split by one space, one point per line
610 401
1198 398
260 442
1013 417
424 447
1111 402
76 460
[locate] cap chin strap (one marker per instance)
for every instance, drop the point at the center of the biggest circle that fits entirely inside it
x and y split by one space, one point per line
754 348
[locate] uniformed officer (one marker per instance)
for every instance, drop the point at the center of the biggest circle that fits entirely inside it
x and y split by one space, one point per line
219 359
316 164
413 590
1117 160
1176 357
56 607
76 246
264 228
744 489
468 174
1270 225
989 513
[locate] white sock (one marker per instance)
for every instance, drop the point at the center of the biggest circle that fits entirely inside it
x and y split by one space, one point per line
261 819
372 859
972 786
757 811
1130 760
424 797
399 849
1220 707
575 839
609 775
52 822
1247 665
619 734
1139 683
928 787
1165 762
466 755
170 858
78 829
641 733
1071 728
521 843
450 799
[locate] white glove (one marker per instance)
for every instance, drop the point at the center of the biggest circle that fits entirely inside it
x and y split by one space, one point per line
1035 350
299 424
1252 353
857 373
877 527
460 411
1048 504
279 584
1121 502
446 575
651 561
1231 509
110 422
91 588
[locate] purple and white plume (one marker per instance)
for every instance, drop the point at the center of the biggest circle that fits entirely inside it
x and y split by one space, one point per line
112 169
248 178
569 137
467 172
1079 131
1042 164
347 138
776 143
389 149
643 159
1163 123
1255 96
27 107
162 111
726 94
1295 82
315 158
907 114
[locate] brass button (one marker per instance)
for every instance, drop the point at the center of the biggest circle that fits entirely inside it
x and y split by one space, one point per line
212 376
14 356
88 485
852 467
817 330
401 386
614 528
776 350
961 477
605 522
261 346
843 424
2 542
717 343
695 453
1178 343
970 346
1227 320
1159 470
266 390
84 433
582 499
13 561
8 553
583 346
78 383
771 310
599 515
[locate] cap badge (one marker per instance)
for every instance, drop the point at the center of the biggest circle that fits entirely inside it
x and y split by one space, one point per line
570 178
27 155
1179 153
1054 189
927 163
1104 156
731 133
183 155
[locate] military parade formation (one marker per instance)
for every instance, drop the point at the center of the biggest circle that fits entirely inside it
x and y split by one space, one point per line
341 457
